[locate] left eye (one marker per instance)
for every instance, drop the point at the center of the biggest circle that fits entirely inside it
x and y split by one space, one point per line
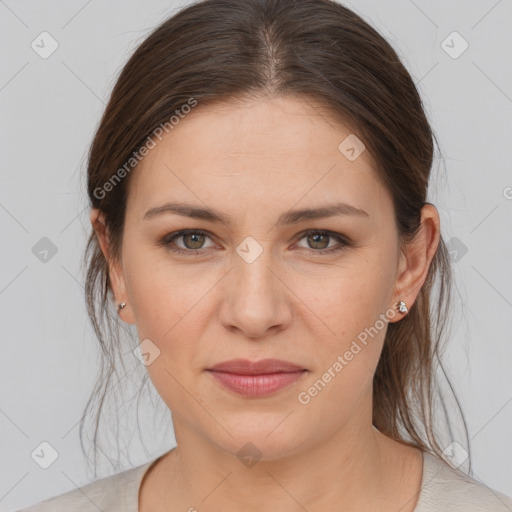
194 239
318 239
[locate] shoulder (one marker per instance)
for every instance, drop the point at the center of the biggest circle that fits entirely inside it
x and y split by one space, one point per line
114 493
446 488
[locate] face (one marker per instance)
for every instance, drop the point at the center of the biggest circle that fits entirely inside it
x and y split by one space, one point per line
258 284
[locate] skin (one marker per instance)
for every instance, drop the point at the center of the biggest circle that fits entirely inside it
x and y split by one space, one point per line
253 161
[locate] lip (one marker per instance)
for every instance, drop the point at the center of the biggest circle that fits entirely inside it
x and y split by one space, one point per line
265 366
256 378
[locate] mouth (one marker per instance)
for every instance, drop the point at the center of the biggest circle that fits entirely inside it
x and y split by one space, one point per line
256 378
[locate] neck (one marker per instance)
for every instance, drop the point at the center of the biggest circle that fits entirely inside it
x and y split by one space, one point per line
354 469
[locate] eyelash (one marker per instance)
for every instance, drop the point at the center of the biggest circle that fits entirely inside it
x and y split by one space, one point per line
168 239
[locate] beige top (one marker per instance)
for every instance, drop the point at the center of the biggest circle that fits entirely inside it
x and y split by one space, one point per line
442 489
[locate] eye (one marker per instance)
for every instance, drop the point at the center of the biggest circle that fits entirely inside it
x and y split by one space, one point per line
193 240
318 239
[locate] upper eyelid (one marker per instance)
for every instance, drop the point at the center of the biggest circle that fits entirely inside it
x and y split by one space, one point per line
178 234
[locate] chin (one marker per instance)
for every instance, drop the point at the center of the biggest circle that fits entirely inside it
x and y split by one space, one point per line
256 441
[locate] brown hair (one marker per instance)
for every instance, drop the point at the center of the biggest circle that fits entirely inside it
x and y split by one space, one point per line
220 50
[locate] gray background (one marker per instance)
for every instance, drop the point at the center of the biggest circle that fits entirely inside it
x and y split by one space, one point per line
49 109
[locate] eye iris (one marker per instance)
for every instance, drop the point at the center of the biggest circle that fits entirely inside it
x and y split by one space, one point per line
195 236
316 236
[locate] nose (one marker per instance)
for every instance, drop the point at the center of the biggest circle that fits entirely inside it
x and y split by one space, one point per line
256 300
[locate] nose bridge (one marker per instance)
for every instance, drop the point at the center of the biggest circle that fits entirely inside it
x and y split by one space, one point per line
251 271
253 274
255 300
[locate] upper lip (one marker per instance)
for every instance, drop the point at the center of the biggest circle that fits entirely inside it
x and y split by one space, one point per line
246 367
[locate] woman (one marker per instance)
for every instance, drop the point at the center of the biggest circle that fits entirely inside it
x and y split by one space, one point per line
258 193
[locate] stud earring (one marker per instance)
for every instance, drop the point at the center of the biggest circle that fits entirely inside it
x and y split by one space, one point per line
402 307
122 305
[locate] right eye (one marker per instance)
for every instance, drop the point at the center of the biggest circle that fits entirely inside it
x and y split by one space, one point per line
191 237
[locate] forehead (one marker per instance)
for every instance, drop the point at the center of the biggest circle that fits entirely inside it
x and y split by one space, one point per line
262 152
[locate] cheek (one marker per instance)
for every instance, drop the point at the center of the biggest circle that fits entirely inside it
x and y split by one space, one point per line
353 308
344 301
162 295
169 308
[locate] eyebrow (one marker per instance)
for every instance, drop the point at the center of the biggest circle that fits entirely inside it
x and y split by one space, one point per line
287 218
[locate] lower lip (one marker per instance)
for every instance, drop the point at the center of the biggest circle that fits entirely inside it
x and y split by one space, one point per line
256 385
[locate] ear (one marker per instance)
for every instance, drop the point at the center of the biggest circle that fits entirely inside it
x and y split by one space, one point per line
416 258
116 274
